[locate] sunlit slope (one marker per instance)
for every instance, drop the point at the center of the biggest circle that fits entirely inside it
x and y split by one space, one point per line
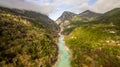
96 43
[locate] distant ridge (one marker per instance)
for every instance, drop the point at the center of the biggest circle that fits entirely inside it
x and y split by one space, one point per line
90 14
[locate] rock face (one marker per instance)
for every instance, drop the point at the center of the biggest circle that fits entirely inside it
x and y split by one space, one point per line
68 18
63 20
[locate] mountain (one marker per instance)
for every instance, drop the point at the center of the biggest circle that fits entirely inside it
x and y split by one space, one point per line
27 39
42 19
65 16
113 12
69 15
90 14
111 16
96 43
64 19
68 21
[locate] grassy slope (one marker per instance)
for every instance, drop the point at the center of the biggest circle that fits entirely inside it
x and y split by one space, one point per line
24 42
96 44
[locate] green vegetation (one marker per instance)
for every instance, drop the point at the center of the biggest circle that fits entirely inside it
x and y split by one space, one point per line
25 41
75 23
68 21
96 43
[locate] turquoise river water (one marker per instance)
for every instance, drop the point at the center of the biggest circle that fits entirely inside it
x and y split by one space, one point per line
64 56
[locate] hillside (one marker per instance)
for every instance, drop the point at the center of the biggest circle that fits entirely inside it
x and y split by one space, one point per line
111 17
64 19
90 14
69 21
27 39
65 16
96 43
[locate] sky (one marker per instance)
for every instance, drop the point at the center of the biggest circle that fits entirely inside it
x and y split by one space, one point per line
54 8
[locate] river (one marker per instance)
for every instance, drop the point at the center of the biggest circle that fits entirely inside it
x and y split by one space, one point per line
64 56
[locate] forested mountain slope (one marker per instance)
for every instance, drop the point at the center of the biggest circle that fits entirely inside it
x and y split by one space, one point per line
96 43
27 39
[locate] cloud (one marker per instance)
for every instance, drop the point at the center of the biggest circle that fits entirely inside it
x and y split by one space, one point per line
56 7
99 6
102 6
82 7
28 5
69 2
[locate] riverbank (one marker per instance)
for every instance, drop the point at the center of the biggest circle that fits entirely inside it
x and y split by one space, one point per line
64 54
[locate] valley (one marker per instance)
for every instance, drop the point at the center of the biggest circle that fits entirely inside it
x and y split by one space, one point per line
64 55
93 39
32 39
